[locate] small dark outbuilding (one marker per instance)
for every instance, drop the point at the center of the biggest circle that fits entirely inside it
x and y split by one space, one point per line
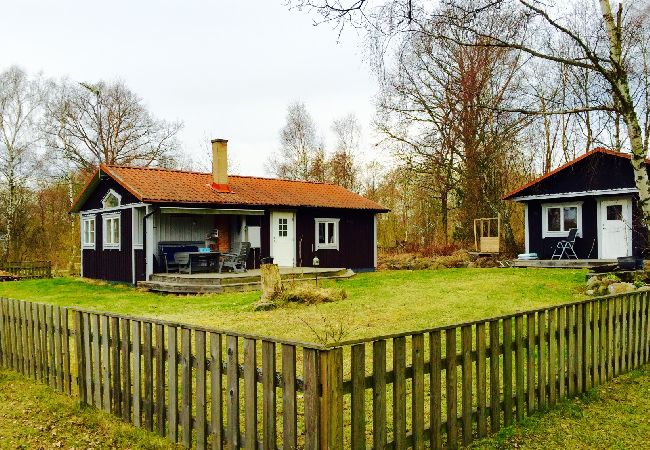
594 193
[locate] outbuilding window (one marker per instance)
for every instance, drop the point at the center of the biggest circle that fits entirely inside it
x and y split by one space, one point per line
88 232
559 218
111 200
111 231
327 234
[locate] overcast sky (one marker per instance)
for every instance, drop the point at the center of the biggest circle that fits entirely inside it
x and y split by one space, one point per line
226 69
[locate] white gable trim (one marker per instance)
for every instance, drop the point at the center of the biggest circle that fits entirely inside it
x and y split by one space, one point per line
576 194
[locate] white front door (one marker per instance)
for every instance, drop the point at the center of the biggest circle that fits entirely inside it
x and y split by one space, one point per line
616 228
283 238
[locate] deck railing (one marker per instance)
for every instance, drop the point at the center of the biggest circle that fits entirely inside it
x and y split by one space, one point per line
445 386
28 269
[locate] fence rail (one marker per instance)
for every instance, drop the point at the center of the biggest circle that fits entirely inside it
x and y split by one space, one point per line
440 387
27 269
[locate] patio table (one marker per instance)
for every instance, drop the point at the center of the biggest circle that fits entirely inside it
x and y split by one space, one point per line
198 261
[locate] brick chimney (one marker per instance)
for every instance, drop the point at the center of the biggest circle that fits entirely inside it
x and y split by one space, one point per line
220 165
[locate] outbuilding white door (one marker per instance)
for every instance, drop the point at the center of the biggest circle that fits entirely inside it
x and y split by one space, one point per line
616 228
283 238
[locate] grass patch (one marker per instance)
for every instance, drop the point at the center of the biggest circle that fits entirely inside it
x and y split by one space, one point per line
377 303
34 416
613 415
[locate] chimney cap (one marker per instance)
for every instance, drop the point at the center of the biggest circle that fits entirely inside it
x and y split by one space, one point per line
219 140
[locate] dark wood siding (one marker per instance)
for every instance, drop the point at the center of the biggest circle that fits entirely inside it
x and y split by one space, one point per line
139 265
111 265
356 239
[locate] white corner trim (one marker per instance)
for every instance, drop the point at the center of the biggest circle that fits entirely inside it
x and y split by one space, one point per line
374 239
526 230
335 245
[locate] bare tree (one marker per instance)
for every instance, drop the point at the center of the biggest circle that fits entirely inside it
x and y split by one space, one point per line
299 146
342 165
108 123
21 100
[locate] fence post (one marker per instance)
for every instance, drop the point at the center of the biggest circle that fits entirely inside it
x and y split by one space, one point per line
331 369
81 363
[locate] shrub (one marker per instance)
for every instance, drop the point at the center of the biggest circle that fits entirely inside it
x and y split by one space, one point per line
309 294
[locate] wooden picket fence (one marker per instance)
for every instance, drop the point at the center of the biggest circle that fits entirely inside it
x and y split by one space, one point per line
436 388
28 269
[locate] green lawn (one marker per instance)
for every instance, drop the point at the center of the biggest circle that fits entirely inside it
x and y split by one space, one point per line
614 416
33 416
377 303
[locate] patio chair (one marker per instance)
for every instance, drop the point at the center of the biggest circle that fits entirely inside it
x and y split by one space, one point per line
565 247
237 259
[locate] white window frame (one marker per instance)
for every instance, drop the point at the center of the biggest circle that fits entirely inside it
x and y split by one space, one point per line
85 223
137 225
106 218
327 246
562 233
114 194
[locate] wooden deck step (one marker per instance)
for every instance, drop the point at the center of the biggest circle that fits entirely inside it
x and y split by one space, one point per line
203 284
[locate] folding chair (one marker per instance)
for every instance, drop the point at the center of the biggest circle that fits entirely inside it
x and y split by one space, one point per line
566 246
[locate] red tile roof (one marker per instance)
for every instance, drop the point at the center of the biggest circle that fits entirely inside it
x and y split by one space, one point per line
156 185
513 193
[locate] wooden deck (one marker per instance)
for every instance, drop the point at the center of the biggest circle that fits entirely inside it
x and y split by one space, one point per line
562 263
197 283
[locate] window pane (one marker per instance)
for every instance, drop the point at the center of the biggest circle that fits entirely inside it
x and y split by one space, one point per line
570 218
111 201
330 232
321 233
553 215
615 212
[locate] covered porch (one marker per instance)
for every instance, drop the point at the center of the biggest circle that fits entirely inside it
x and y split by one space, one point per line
189 239
181 283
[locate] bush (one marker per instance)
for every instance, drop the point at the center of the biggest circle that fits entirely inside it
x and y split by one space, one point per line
309 294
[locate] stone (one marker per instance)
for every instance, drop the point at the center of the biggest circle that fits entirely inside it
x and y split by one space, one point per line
264 306
593 281
620 288
590 292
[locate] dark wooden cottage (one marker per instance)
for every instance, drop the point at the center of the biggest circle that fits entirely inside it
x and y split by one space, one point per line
594 193
127 213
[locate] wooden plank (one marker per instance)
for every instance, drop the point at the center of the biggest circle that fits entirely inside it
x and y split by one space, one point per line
289 400
530 363
507 372
116 393
637 330
97 362
216 391
52 350
232 357
136 337
87 354
519 367
250 394
126 369
644 326
22 364
602 334
38 369
624 331
44 344
417 395
399 392
58 345
332 400
642 329
618 325
186 386
358 414
495 385
79 347
552 356
172 383
159 407
595 343
542 362
106 367
311 398
451 388
580 330
587 344
466 383
26 313
201 424
67 375
562 349
435 382
379 434
147 351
